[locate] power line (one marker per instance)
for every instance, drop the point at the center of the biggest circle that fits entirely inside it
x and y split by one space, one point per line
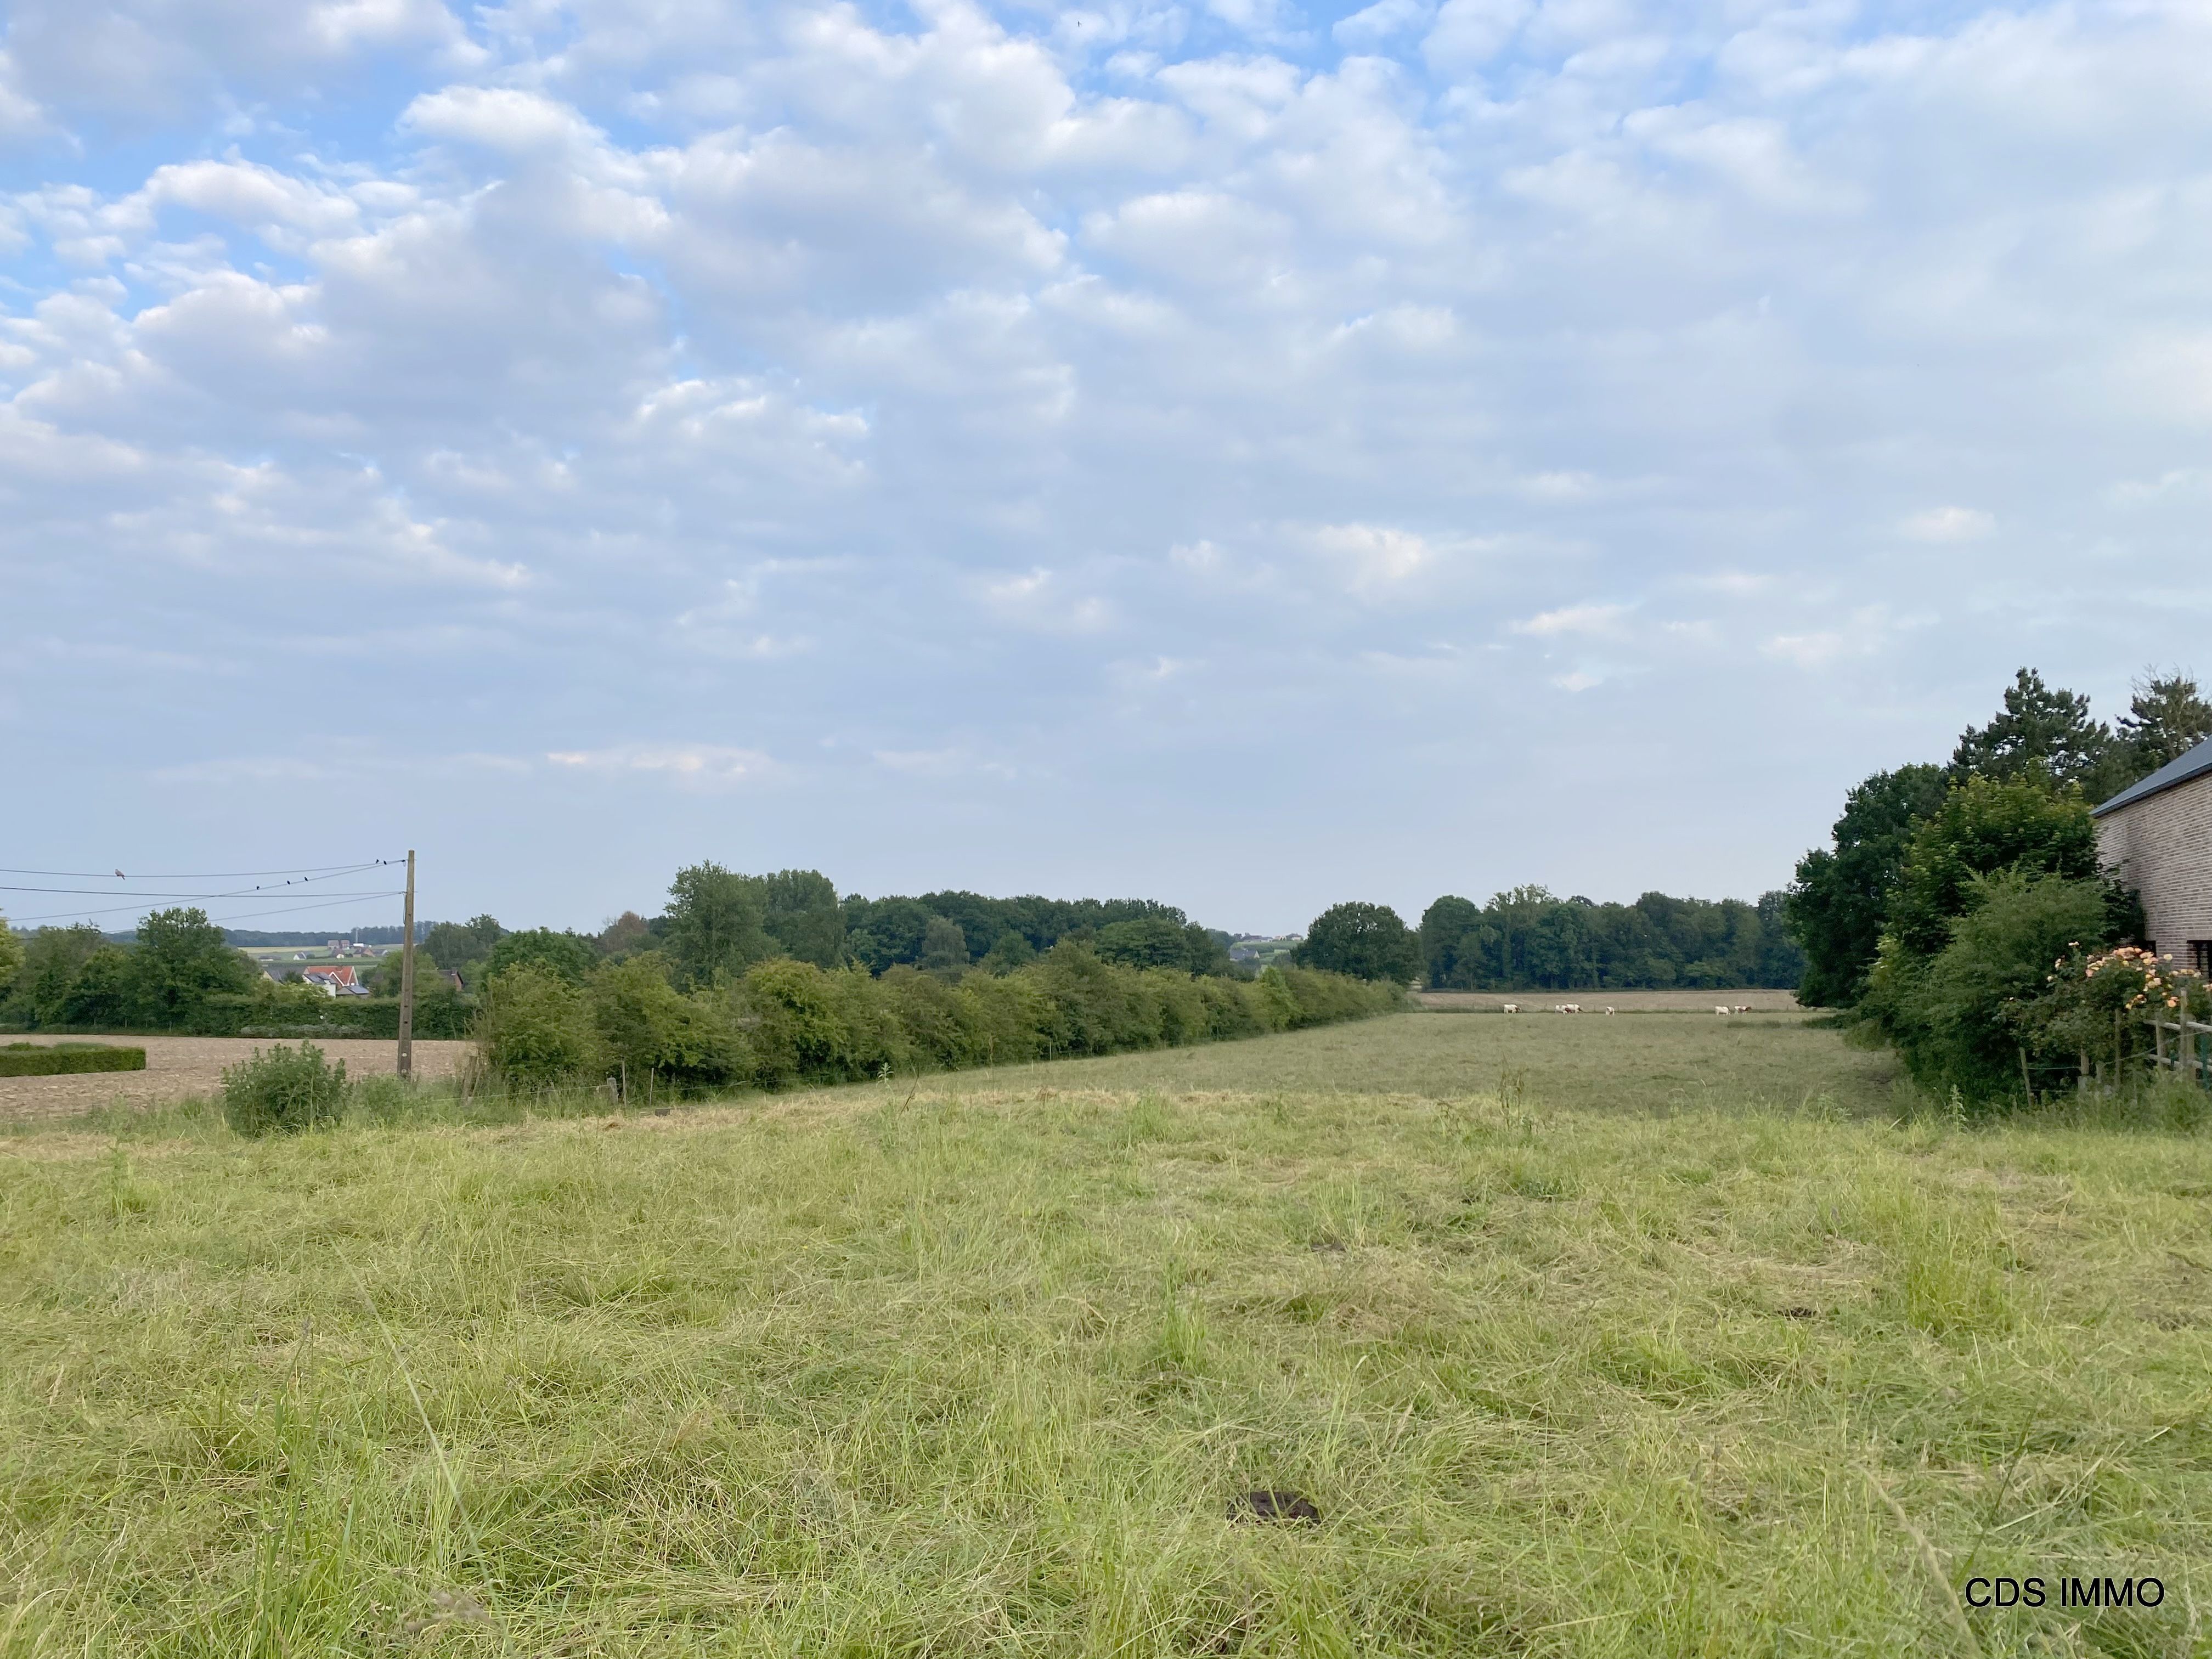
211 875
236 892
328 902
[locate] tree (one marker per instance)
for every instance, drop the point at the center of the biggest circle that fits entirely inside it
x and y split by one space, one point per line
802 915
648 1030
943 947
463 946
717 923
98 996
1839 903
1143 942
11 957
2166 718
626 935
1961 1019
570 954
1981 829
1444 924
1205 952
182 959
2039 731
536 1029
53 959
1008 953
1367 941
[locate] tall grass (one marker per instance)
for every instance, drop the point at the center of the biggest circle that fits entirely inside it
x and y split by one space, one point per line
985 1365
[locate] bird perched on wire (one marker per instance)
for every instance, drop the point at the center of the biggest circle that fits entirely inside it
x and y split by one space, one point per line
119 876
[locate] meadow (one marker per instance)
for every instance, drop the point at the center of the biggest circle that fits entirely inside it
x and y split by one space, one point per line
1658 1335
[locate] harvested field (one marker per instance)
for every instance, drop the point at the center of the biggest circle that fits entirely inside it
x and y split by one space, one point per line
1596 1002
178 1067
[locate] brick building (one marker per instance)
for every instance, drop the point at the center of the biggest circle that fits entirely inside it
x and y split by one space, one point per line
2157 835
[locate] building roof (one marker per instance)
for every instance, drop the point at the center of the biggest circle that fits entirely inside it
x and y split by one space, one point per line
2195 764
336 976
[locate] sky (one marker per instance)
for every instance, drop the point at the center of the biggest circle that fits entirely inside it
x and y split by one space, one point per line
1238 454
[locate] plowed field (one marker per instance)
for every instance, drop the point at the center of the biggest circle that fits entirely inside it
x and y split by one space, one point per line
180 1066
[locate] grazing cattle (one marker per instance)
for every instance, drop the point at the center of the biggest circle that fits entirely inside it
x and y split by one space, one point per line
1566 1008
1509 1007
1608 1011
1743 1007
1722 1008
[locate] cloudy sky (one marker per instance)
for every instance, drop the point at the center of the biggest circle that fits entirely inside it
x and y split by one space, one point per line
1242 453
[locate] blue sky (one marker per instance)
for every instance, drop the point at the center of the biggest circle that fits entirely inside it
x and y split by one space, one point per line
1241 454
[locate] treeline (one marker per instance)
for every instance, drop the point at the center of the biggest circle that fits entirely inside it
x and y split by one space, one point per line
1961 910
1528 940
179 973
725 922
785 1022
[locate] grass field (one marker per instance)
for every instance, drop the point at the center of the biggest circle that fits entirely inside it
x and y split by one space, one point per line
1661 1336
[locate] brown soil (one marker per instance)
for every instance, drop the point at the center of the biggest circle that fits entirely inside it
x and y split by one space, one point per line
177 1067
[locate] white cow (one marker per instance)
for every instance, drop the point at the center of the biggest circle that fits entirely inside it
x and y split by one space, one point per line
1608 1011
1566 1008
1722 1008
1743 1007
1509 1007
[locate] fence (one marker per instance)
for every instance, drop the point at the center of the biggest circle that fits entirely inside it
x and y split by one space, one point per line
2189 1053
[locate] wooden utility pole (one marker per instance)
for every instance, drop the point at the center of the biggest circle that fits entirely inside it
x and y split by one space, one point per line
407 978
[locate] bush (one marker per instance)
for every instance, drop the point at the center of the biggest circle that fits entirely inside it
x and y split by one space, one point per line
535 1030
68 1059
1965 1020
656 1038
282 1090
785 1024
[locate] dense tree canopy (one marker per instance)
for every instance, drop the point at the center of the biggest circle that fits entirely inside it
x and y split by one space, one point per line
1366 941
717 923
1982 827
2166 718
2043 745
1839 903
1527 938
463 947
2038 731
572 956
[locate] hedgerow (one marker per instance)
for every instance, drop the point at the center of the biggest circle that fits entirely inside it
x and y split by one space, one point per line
68 1059
784 1024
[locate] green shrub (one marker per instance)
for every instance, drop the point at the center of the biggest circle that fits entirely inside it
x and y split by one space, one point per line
282 1090
535 1030
653 1036
68 1059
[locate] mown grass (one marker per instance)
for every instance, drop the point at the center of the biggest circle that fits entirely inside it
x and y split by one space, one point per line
1720 1363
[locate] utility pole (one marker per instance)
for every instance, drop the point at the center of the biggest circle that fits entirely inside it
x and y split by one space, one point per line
407 979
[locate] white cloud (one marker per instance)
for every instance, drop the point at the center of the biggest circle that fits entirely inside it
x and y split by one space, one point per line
1574 619
1948 524
707 766
846 374
1043 600
1375 558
